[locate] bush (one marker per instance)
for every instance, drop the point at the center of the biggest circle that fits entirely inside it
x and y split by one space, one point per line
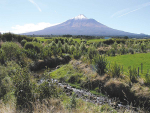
115 70
7 36
76 54
66 48
92 52
130 50
73 102
29 45
147 78
34 46
47 89
82 47
112 52
132 74
23 88
35 40
2 56
100 64
23 42
143 47
12 51
31 53
72 49
108 42
123 51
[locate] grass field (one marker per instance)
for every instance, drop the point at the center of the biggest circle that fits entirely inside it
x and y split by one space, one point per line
133 60
95 40
42 39
75 39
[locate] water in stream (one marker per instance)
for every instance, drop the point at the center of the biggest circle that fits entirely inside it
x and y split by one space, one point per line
89 97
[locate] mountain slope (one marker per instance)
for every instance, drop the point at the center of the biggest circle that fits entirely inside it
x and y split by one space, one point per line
80 25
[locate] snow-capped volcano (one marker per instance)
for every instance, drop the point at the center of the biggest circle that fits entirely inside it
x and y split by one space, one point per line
81 16
80 25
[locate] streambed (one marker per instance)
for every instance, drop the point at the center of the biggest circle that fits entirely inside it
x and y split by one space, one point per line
88 96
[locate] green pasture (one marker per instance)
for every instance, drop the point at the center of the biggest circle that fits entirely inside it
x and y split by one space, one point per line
95 40
42 39
75 39
133 60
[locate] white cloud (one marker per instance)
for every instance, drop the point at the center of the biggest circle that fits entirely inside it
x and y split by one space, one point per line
119 12
130 10
35 5
30 27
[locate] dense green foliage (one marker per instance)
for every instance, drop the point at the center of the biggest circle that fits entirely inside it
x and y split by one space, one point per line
100 64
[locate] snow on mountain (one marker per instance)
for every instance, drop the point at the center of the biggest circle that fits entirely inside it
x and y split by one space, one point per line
81 16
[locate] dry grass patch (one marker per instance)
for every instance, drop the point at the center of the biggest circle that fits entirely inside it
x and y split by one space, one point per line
85 68
141 91
116 88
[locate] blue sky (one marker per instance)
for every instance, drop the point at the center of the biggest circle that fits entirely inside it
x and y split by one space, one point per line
20 16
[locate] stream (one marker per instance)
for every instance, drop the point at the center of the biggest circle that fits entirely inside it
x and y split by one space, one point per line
89 97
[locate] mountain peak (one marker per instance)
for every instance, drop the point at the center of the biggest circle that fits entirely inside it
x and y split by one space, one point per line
81 16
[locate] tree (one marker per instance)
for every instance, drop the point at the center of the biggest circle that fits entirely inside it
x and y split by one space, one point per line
72 49
100 64
92 52
82 47
66 48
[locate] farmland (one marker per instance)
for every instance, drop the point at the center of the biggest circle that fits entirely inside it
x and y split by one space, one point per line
133 60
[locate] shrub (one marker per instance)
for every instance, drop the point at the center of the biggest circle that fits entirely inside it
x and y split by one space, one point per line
47 89
72 49
130 50
143 47
59 44
12 50
92 52
147 78
112 52
73 102
23 88
23 42
46 53
34 46
82 47
7 36
77 46
66 48
114 45
132 74
6 86
35 40
29 45
123 50
108 42
115 70
2 56
31 53
76 54
100 64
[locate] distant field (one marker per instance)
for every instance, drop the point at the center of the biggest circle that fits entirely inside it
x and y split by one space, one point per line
75 39
42 38
95 40
134 60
